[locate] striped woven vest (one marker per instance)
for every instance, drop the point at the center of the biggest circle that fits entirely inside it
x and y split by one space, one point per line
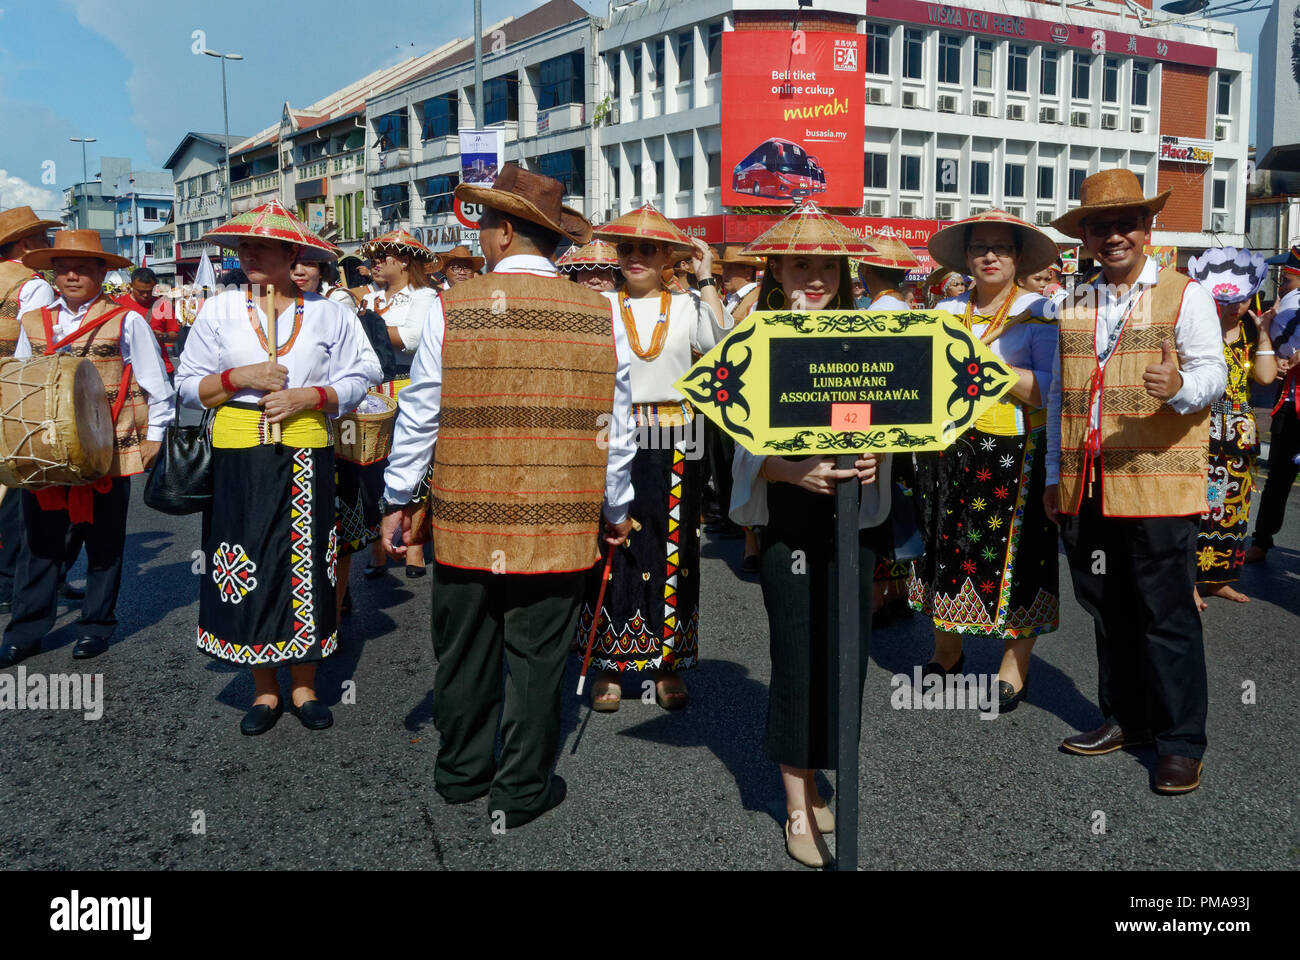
103 347
1153 460
12 277
528 368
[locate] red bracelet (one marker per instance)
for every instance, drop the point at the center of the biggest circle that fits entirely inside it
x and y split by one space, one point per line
324 397
227 384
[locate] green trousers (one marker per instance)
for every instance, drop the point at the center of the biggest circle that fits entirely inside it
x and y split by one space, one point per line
481 620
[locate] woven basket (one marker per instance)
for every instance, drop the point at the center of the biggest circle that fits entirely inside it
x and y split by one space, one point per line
370 434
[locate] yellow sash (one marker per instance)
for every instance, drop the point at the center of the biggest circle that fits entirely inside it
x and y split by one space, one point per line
238 428
1006 418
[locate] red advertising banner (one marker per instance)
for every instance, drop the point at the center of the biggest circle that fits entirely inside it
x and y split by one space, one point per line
794 118
1004 25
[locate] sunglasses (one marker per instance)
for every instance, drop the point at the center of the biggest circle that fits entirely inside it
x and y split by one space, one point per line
645 248
978 250
1108 228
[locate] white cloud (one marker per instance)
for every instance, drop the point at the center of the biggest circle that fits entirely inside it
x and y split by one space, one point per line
17 192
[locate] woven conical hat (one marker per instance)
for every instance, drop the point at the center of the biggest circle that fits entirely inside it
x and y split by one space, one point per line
1037 249
646 223
809 230
890 253
270 221
591 256
399 241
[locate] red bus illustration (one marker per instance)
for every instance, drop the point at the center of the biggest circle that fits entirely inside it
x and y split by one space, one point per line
779 168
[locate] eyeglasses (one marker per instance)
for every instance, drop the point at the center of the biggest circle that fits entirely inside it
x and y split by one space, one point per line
978 250
1108 228
645 248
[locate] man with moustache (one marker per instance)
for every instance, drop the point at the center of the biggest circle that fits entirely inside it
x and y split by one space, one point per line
1141 359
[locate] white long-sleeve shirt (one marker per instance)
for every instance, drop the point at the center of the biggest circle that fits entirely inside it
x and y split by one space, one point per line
1198 339
139 348
419 406
405 312
329 350
34 293
692 328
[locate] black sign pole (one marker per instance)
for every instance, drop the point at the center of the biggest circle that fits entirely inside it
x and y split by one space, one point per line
847 642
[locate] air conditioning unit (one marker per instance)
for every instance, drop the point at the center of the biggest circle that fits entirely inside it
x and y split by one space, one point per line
613 114
945 210
1048 115
1017 212
1043 217
911 100
1079 118
1220 223
1015 111
1137 124
907 208
877 95
1220 131
1109 121
874 208
947 103
982 108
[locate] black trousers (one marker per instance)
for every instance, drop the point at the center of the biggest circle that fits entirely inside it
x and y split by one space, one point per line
481 620
35 604
1284 444
11 541
719 449
1135 578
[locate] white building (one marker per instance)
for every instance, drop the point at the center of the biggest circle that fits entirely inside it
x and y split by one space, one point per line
143 201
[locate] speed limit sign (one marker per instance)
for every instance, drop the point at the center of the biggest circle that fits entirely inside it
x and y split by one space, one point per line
468 214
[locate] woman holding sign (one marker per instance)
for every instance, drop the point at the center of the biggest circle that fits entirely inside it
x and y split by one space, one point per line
649 621
791 500
990 566
276 367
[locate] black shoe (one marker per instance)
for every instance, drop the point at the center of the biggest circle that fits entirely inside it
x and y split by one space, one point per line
260 719
935 668
1008 697
6 606
750 564
414 573
71 594
374 573
724 529
88 647
314 715
11 655
346 606
555 794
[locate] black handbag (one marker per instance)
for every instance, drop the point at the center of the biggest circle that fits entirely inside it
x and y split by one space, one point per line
181 479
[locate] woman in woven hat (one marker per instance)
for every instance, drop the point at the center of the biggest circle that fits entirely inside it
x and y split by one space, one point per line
650 618
1233 277
268 597
990 552
884 272
790 500
593 265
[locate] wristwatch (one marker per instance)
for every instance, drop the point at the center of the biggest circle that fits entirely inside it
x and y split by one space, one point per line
385 508
707 282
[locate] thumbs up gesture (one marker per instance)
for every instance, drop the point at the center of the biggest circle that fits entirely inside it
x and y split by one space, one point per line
1163 379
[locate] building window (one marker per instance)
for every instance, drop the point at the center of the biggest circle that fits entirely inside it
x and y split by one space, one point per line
393 201
636 180
715 48
1047 75
1141 83
1077 177
910 173
659 177
979 177
1220 193
390 129
1110 81
441 116
148 251
877 48
151 213
1224 107
913 54
982 74
614 64
1142 178
685 56
1018 68
501 99
358 211
657 61
877 171
1013 180
686 174
945 175
715 171
437 193
1081 78
564 80
949 58
634 65
1046 186
567 167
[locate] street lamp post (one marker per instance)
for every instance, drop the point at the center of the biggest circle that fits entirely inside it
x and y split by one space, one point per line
225 114
83 141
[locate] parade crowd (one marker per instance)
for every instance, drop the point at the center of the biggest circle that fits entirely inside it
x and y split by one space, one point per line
487 429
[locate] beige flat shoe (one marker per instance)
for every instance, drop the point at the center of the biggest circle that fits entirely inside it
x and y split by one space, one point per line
606 695
808 848
824 819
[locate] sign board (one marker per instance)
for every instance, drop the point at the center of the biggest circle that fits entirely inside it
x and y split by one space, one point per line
481 154
795 112
841 382
1186 150
229 263
316 217
468 214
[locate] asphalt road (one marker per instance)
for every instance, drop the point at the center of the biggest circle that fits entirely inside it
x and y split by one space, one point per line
647 789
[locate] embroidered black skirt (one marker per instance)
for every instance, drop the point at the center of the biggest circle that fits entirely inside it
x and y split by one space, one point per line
356 502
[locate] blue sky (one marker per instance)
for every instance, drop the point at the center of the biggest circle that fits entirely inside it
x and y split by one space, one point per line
123 71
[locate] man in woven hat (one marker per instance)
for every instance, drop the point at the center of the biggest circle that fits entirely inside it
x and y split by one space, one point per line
458 265
21 290
120 342
739 280
515 378
884 271
1141 359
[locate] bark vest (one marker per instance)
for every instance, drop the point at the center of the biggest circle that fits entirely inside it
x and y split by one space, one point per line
103 347
1153 460
12 278
528 369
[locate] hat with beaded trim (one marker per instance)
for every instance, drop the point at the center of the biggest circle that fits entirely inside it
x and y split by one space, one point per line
647 223
891 254
1230 275
399 242
597 255
270 221
808 229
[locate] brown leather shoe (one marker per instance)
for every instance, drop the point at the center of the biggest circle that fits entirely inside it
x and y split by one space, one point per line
1178 774
1254 554
1107 738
